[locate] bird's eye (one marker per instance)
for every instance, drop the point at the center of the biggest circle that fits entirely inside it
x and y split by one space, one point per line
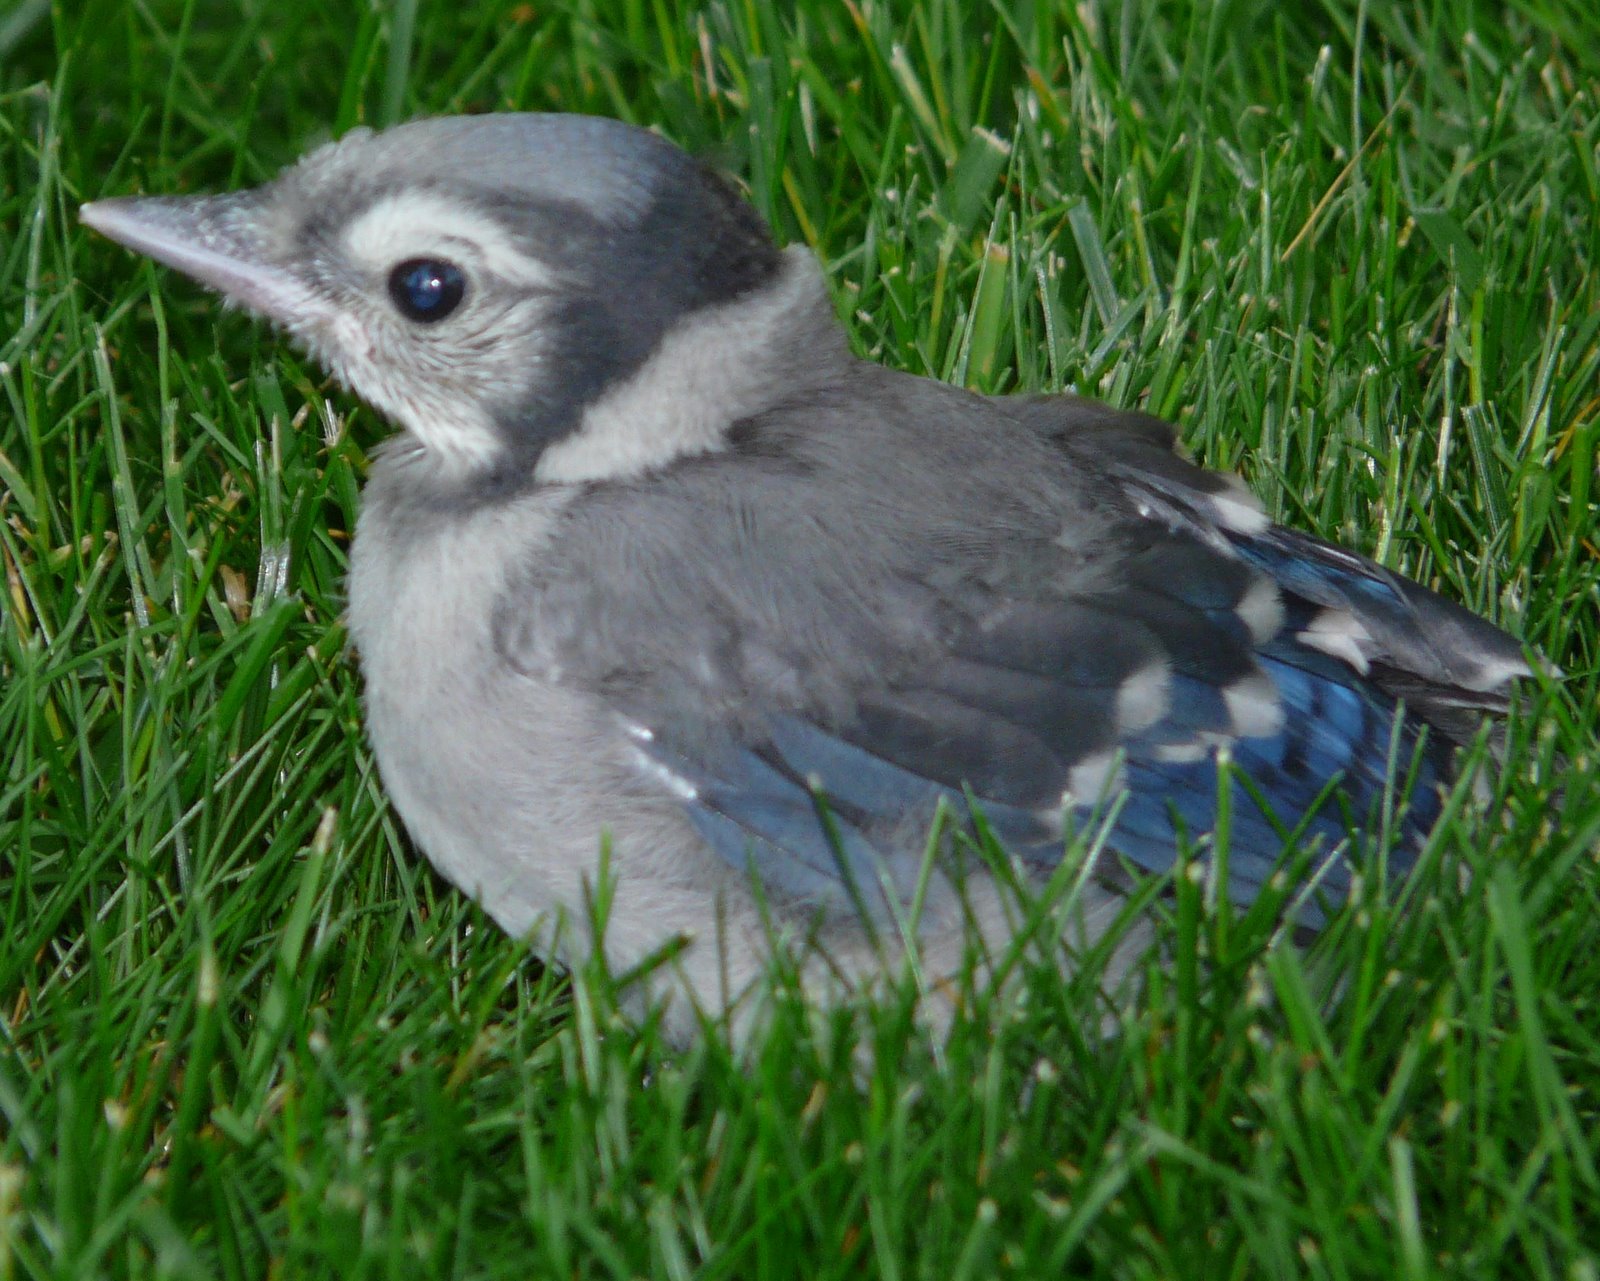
427 289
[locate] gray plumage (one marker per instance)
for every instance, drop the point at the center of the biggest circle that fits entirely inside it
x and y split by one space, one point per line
653 556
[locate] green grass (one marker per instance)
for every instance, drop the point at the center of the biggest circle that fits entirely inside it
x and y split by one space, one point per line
1353 249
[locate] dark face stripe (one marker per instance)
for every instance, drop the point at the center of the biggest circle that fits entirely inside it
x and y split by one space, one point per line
697 245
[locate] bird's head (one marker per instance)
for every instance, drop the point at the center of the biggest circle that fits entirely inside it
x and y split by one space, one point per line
530 296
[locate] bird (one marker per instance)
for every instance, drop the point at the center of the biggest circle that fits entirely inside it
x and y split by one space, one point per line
658 587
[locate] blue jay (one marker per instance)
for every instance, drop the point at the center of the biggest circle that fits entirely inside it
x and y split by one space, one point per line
655 561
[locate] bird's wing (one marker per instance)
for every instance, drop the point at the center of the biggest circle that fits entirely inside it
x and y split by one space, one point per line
1205 628
1045 711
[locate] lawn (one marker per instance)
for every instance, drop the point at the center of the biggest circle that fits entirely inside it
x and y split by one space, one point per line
1354 249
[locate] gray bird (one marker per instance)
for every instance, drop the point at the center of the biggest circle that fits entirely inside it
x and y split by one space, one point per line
655 561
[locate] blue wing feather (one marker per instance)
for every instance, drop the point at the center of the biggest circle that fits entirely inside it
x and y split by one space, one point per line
898 759
1031 695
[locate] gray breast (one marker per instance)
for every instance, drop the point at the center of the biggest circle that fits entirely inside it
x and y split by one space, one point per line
507 778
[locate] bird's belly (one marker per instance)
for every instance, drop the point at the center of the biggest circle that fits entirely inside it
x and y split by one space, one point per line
477 798
440 707
511 785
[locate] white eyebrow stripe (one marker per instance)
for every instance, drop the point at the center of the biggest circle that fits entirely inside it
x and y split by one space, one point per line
422 224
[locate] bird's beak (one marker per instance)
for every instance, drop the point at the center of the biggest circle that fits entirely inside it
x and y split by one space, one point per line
214 239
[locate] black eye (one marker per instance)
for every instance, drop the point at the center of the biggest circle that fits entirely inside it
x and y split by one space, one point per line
426 289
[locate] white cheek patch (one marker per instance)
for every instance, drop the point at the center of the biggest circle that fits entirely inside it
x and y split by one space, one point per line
348 336
425 224
426 401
